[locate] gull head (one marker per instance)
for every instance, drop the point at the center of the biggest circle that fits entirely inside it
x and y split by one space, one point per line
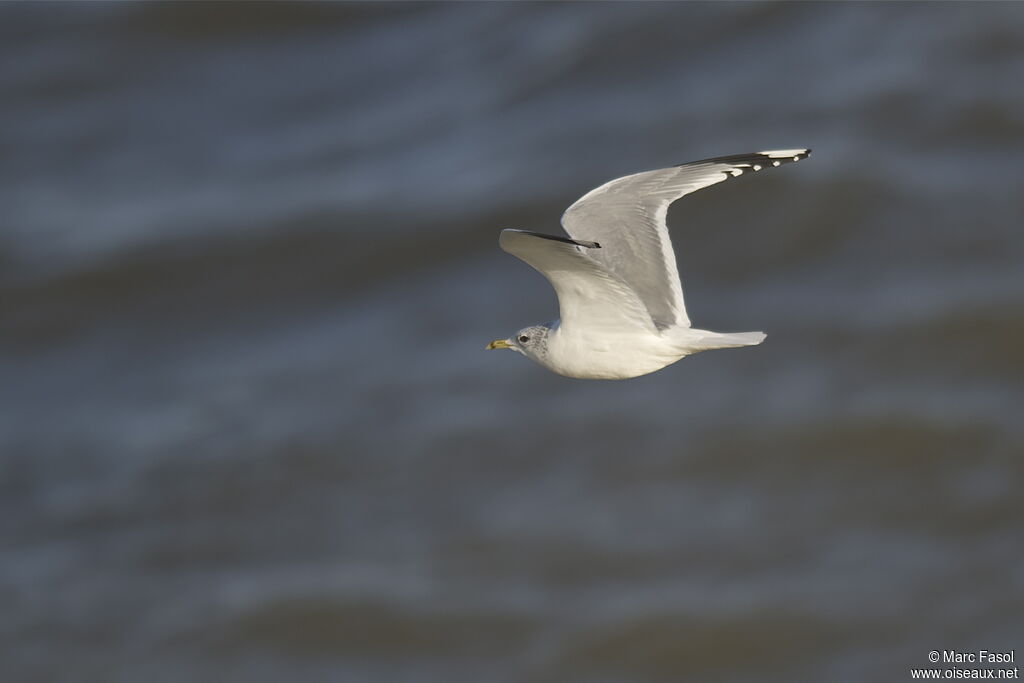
531 341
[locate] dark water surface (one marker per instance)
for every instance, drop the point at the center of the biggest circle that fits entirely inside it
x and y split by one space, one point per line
248 265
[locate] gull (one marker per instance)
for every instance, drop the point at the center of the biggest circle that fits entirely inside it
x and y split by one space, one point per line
620 301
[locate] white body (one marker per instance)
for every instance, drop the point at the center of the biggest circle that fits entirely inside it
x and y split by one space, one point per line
623 356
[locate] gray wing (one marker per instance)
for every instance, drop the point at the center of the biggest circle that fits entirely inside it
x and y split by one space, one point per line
589 296
627 217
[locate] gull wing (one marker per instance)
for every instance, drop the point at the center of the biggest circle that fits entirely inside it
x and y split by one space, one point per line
589 296
627 217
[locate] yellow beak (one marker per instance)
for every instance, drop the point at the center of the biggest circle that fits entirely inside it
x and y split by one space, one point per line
499 344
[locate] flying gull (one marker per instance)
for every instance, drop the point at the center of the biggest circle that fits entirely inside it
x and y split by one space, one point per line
619 297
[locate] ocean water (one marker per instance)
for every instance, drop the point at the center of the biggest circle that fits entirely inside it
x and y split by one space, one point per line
248 266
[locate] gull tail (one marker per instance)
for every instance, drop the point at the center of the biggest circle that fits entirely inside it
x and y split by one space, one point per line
725 340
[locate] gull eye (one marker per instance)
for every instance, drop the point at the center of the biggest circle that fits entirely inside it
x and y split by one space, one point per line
523 339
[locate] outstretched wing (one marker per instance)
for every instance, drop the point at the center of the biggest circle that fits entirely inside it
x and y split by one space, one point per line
627 217
589 296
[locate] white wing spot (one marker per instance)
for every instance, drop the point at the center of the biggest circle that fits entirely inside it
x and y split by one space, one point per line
757 167
736 171
776 163
796 158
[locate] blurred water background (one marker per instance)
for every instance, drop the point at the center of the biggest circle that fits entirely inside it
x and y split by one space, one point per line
248 265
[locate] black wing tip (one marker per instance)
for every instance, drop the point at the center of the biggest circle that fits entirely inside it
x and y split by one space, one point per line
556 238
755 161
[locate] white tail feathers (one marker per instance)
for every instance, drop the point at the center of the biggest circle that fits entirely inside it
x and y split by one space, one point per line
726 340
